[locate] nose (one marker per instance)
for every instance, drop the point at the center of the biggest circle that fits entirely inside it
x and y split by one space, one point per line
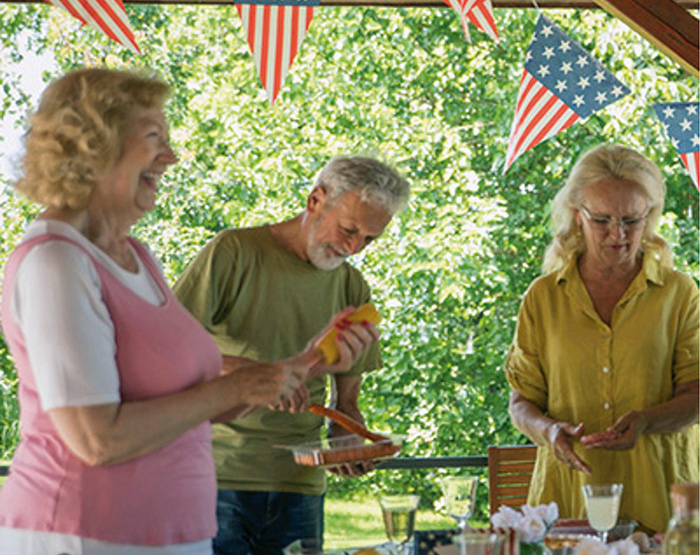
353 244
168 155
617 227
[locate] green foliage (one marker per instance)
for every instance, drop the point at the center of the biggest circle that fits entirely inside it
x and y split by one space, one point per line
405 85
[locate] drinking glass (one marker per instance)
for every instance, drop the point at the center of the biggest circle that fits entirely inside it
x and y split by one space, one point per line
399 512
479 543
460 497
602 506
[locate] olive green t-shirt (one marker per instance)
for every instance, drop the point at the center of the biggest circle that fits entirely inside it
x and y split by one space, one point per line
261 302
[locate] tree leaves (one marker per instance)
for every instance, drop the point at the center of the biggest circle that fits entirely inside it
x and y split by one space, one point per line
402 84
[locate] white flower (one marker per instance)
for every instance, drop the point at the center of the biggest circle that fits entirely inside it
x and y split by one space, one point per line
624 547
532 529
591 546
506 518
532 523
547 513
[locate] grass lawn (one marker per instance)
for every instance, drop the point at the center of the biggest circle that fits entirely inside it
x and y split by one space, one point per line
358 522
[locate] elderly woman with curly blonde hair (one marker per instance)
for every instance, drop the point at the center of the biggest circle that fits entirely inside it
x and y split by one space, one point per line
117 382
603 367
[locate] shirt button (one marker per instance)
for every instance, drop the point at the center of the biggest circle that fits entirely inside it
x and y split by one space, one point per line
606 369
606 406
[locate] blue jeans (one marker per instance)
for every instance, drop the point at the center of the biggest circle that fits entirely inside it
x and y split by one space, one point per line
265 522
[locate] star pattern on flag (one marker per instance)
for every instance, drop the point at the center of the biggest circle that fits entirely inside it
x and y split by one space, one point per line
478 12
275 30
561 83
108 16
682 124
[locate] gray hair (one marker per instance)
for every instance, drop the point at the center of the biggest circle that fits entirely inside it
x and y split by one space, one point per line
377 183
605 162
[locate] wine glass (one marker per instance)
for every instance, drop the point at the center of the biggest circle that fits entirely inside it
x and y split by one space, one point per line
460 497
399 512
602 506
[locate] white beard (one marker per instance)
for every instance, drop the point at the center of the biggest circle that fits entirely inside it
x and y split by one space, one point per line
318 253
319 257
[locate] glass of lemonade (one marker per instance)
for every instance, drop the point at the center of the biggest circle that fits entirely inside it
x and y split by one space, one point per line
399 512
602 506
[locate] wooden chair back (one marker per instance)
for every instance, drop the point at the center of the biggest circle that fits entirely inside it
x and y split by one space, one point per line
510 470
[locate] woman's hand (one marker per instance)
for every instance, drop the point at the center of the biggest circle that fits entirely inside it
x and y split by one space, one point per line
542 430
621 435
561 437
352 340
281 385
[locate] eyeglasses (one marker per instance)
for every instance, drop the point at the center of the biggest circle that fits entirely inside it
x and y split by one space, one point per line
606 223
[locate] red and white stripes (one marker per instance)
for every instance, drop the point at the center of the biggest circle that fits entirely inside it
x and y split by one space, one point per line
479 13
107 16
691 160
274 35
539 114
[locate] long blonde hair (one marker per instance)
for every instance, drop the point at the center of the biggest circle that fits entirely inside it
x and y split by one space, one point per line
78 130
605 162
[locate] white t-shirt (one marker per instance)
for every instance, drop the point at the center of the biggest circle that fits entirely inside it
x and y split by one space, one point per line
57 303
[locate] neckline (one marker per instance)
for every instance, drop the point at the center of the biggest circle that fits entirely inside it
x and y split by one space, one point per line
68 233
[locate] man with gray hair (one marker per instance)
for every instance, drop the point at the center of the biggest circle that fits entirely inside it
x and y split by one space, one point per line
263 293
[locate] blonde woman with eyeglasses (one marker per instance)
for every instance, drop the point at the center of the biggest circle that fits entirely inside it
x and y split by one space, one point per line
603 367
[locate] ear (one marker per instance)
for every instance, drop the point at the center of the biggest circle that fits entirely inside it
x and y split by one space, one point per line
577 215
316 200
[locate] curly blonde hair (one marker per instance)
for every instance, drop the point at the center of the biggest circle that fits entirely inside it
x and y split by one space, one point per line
605 162
77 132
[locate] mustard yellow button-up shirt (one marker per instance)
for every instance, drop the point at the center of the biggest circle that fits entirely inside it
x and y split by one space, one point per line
575 368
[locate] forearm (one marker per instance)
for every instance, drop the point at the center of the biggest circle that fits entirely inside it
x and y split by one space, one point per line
675 414
530 420
231 364
347 394
109 434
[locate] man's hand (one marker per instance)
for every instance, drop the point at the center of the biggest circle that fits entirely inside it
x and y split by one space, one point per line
352 470
349 469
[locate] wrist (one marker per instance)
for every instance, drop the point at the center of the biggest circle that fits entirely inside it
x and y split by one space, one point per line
551 432
644 422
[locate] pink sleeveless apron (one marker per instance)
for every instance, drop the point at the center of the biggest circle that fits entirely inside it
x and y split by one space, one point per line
165 497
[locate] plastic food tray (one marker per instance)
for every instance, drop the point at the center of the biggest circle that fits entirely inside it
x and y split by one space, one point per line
344 449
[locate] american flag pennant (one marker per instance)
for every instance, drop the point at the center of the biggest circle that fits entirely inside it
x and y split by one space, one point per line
680 119
561 84
108 16
478 12
275 30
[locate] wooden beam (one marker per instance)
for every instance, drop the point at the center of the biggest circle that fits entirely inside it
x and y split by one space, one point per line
508 4
664 23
